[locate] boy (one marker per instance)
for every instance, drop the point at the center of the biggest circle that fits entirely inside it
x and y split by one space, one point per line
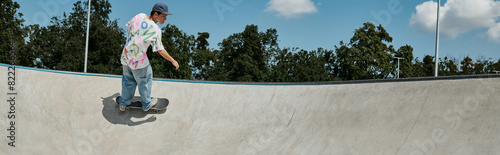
142 32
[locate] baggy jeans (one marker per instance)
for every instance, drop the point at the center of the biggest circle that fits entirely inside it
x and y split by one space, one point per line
143 79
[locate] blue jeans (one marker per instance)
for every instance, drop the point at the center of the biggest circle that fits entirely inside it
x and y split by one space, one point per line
142 78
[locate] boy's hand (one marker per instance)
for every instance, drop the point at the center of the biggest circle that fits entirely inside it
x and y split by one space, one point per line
167 56
176 64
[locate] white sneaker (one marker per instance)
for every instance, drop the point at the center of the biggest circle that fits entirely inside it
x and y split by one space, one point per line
154 100
122 107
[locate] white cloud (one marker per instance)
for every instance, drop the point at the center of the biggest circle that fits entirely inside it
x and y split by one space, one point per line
458 16
494 33
291 8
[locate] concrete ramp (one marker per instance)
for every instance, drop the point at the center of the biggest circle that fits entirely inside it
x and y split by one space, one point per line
52 112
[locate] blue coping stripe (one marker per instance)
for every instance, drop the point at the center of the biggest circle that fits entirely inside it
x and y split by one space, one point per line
155 79
274 84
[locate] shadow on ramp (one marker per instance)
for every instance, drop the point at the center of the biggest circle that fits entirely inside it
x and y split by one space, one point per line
131 117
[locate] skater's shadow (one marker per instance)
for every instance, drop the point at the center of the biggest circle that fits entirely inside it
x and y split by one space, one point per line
131 117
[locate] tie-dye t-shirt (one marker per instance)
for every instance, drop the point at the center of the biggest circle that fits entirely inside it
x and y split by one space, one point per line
141 34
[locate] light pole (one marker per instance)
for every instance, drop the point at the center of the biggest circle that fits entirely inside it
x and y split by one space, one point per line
87 42
437 41
399 58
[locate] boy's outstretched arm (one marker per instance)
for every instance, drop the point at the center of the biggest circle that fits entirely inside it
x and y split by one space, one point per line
167 56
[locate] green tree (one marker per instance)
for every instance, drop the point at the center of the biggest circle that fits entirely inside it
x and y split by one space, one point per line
331 65
493 66
70 53
304 66
428 65
368 57
481 65
448 67
106 40
406 64
467 66
12 31
202 57
46 45
425 67
61 44
418 70
282 65
245 56
179 45
346 59
27 55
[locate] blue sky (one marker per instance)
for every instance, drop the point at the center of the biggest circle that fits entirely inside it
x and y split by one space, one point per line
469 27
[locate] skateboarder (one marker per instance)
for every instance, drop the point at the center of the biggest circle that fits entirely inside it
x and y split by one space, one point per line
142 32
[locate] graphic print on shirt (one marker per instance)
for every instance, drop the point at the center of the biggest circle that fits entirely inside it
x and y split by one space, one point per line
142 33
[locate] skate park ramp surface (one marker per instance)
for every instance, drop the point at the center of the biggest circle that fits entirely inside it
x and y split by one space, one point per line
55 112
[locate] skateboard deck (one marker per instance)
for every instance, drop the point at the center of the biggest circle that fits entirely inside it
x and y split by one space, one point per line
136 104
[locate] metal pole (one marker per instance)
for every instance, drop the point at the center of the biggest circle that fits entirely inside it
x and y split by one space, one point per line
87 42
437 41
399 58
398 68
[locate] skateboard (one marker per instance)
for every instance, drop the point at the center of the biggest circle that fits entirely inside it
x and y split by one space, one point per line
136 104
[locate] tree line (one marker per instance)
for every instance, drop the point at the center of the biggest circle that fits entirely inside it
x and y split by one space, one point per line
249 56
